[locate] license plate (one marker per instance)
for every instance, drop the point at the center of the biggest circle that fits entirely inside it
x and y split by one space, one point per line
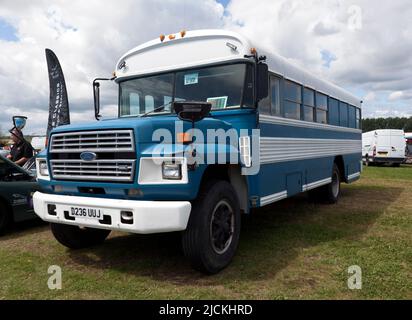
86 213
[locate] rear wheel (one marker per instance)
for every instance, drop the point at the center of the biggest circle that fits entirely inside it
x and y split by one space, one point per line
212 235
330 192
74 237
5 219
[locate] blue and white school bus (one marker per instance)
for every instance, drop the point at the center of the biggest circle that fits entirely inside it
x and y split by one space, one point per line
284 132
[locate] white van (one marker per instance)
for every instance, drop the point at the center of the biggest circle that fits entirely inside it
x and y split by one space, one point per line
384 146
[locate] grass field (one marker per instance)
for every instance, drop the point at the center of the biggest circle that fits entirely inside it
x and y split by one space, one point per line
293 249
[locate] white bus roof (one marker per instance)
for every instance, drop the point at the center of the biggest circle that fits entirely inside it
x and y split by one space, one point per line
204 47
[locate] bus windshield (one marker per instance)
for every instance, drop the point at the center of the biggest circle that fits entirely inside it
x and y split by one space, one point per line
225 87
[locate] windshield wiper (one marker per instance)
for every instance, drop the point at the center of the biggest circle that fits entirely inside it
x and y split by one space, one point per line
156 109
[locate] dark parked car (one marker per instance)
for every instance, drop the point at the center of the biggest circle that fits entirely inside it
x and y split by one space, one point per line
16 188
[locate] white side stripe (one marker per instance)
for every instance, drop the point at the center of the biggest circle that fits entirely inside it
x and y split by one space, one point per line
316 184
284 194
273 198
275 149
354 176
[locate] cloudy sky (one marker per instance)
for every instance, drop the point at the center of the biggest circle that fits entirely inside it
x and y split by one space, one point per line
361 45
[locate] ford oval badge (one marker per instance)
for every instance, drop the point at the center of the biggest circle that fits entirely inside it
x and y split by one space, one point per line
88 156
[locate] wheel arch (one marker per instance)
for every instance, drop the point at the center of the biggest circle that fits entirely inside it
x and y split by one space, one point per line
339 161
232 174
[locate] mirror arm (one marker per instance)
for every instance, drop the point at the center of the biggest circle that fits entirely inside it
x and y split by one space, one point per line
96 95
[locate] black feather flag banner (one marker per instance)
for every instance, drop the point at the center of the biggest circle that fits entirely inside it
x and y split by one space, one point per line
59 105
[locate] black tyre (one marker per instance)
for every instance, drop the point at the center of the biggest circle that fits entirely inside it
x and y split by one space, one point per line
74 237
212 235
5 219
330 192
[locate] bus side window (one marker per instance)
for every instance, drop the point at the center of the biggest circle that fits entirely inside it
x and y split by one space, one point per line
352 117
293 100
333 112
321 108
343 114
308 104
275 96
358 119
264 105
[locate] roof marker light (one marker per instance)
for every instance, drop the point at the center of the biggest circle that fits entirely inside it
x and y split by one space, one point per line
183 33
231 46
172 36
162 37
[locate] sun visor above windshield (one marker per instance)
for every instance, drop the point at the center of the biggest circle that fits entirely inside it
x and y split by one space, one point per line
195 49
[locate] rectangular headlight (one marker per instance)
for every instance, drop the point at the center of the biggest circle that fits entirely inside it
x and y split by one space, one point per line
42 169
171 171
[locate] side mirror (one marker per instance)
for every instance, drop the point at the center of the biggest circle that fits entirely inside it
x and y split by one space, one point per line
192 111
19 122
262 81
96 95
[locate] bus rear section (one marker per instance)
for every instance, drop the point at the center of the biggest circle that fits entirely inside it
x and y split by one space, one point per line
384 147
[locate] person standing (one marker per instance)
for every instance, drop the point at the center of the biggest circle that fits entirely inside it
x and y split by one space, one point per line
22 150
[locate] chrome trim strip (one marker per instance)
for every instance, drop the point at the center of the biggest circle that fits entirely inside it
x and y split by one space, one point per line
64 169
273 198
275 149
316 184
124 141
354 176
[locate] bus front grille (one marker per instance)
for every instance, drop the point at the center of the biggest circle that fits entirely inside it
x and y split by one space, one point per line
93 141
99 170
104 155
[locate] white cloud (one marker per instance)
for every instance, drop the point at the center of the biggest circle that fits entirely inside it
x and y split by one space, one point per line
371 43
89 37
370 96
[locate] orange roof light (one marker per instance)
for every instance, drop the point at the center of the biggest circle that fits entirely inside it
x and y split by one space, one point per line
172 36
182 33
162 37
253 50
184 137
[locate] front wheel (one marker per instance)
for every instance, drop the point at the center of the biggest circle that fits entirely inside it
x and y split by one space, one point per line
74 237
212 235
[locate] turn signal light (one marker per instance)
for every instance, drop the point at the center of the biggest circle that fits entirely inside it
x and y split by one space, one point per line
184 137
253 51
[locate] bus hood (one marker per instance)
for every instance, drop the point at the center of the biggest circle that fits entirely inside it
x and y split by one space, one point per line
144 128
